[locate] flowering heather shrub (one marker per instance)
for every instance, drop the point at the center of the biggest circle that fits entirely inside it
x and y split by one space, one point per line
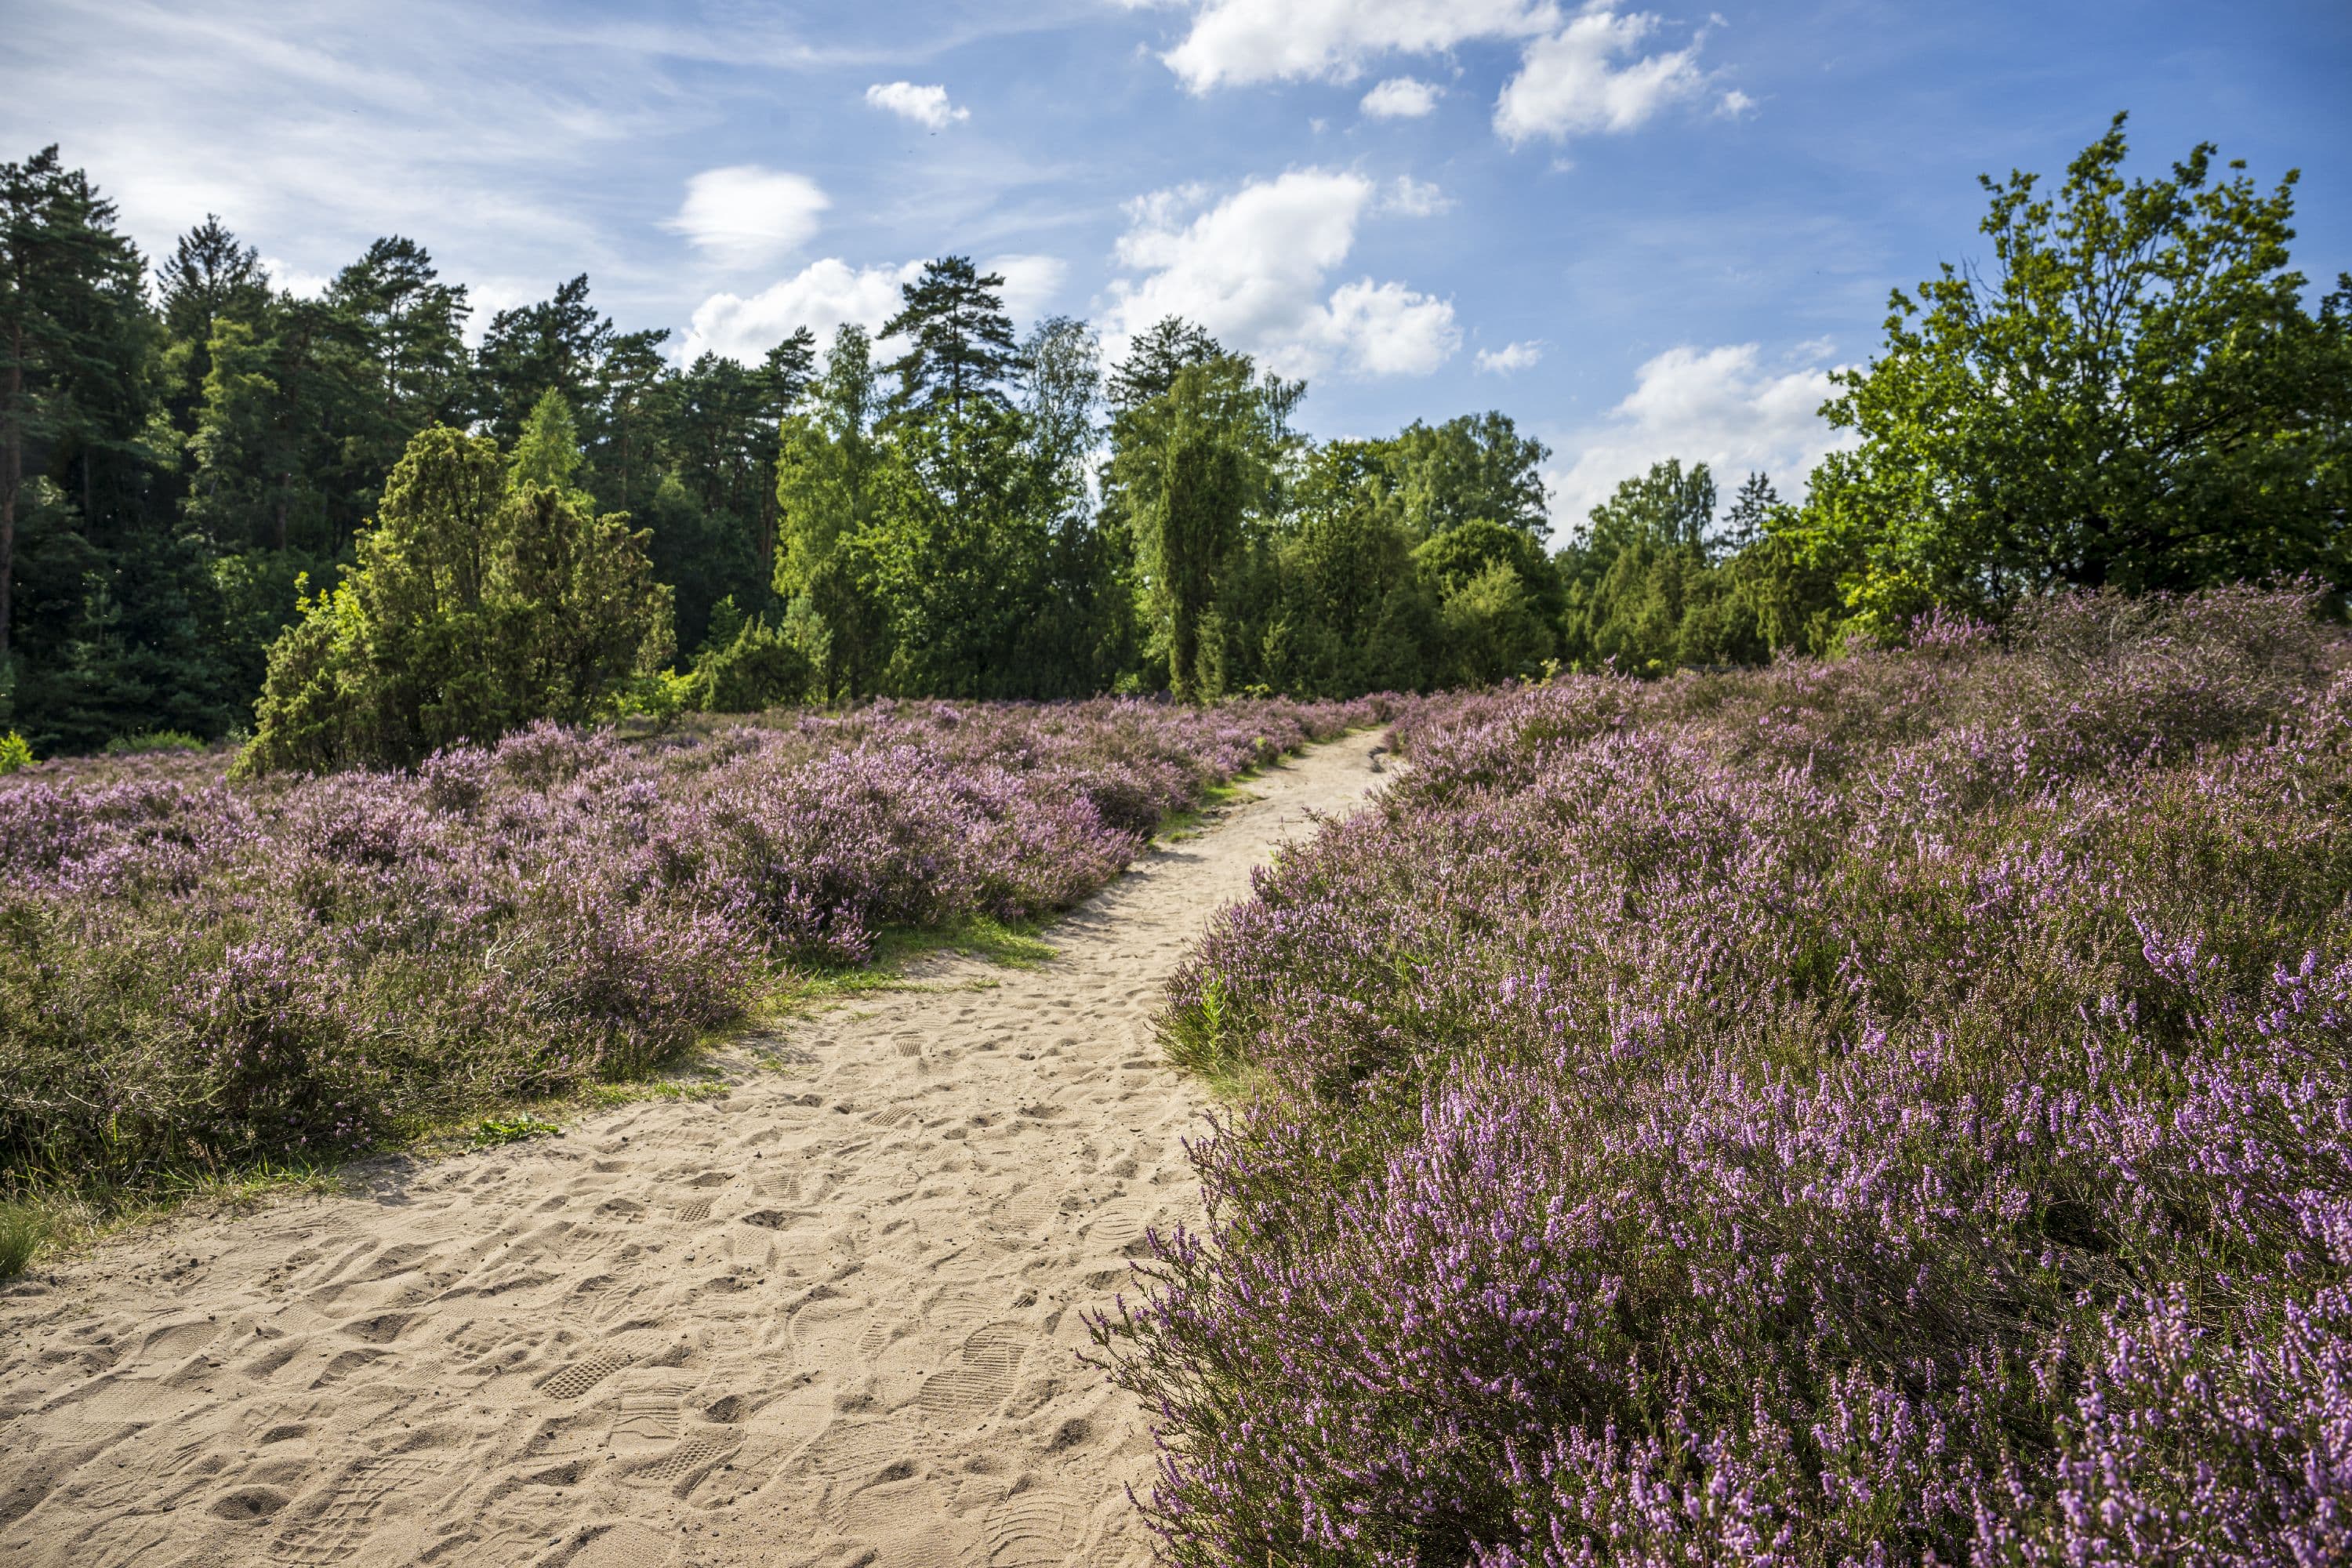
1896 1110
197 972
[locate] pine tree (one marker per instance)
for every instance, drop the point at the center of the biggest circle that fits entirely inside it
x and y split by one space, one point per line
210 278
548 454
73 339
960 344
1154 358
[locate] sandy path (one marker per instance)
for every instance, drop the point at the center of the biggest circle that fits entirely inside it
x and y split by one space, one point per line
829 1319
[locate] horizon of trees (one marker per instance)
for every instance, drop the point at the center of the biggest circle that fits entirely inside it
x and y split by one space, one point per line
192 461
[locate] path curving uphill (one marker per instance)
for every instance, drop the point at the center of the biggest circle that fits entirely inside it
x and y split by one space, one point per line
832 1318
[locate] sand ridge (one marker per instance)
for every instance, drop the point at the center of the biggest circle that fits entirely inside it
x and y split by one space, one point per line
831 1318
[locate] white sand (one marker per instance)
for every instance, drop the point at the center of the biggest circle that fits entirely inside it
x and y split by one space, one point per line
832 1318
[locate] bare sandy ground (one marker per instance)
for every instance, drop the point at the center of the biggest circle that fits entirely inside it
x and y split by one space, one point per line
831 1318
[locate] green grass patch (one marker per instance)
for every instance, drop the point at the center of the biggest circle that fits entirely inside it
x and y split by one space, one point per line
23 1229
491 1133
1179 825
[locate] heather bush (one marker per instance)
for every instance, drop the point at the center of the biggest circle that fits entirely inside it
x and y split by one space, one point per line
1894 1109
196 973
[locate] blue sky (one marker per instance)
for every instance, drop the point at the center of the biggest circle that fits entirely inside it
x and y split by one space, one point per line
1639 232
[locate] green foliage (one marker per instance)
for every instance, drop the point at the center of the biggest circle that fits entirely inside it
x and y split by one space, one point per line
153 740
23 1229
1653 586
474 609
16 752
492 1133
547 454
959 340
2134 396
1474 469
749 666
1492 630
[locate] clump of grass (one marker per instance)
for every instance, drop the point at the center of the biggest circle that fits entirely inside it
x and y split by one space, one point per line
23 1229
153 740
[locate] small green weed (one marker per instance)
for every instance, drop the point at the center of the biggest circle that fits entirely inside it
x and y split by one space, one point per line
16 752
490 1131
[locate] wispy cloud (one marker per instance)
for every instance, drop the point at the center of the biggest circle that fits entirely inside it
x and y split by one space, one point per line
1238 42
1511 358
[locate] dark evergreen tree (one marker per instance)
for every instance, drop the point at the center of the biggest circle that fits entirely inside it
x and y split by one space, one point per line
1153 359
960 343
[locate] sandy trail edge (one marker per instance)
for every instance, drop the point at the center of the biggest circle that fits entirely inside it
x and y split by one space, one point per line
829 1319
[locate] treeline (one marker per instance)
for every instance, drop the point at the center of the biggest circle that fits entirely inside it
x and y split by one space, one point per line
190 460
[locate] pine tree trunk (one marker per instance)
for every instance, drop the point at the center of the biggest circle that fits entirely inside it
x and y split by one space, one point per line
12 476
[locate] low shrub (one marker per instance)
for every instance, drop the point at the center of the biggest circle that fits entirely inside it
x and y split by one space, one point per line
196 974
1895 1110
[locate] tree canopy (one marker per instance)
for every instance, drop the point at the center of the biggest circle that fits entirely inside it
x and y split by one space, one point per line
213 488
2134 394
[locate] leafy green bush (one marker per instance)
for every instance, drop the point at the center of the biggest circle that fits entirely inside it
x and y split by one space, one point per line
476 608
16 752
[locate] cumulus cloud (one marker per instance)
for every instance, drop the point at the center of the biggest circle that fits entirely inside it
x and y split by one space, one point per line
294 280
745 216
1237 42
825 294
926 106
1581 69
1031 282
1722 406
821 297
1571 82
1733 104
1251 269
1511 358
1401 98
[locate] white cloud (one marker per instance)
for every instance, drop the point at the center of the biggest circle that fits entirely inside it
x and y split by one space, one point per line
1386 328
923 105
1401 98
1579 71
1511 358
821 297
294 281
1251 268
824 294
1720 406
745 216
1415 198
1031 283
1733 104
1569 82
1237 42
